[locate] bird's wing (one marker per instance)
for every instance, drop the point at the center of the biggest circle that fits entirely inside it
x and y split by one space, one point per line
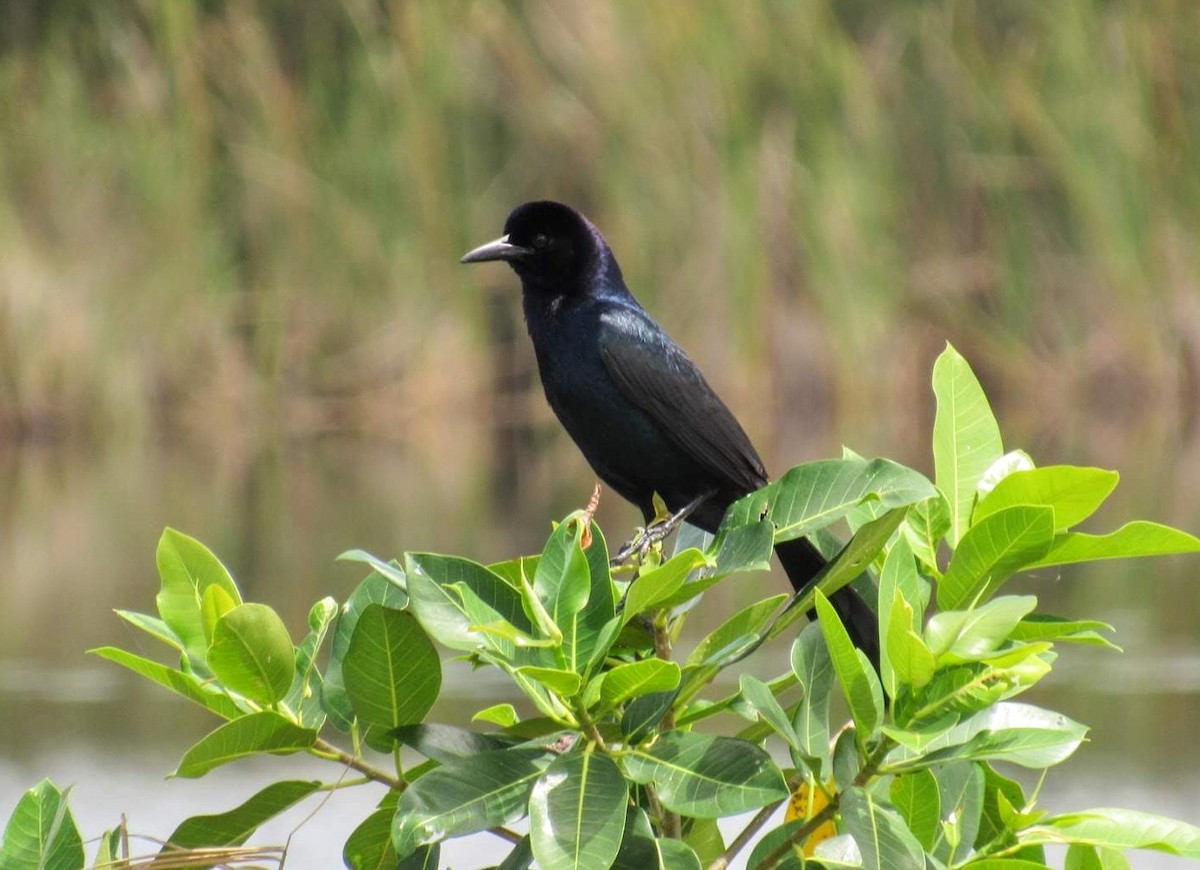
656 375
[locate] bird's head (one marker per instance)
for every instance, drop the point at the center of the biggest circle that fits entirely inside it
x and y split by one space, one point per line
549 245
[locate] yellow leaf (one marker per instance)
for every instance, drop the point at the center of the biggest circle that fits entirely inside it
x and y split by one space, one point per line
804 804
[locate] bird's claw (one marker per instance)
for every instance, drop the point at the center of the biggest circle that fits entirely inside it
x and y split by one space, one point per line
655 533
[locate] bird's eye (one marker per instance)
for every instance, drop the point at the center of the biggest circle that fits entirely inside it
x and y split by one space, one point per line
540 241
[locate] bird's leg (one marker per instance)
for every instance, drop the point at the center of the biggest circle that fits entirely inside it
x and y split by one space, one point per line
657 531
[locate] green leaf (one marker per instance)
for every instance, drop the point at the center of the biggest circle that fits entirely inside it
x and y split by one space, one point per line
854 671
924 527
153 626
814 670
901 586
816 494
234 827
463 797
591 644
369 846
909 661
504 715
446 743
966 439
707 777
452 597
1081 857
960 788
520 858
643 714
215 602
1120 829
562 579
992 550
563 683
704 838
252 653
392 671
1017 733
304 696
374 589
186 568
759 696
969 634
882 837
993 824
250 735
860 551
186 685
389 570
1132 540
915 796
635 679
41 832
1074 493
562 583
577 812
1040 626
729 638
653 588
642 850
772 840
745 548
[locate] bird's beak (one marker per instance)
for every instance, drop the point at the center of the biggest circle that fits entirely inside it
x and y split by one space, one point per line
501 249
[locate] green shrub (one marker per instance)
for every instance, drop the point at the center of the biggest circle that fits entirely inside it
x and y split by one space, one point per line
609 762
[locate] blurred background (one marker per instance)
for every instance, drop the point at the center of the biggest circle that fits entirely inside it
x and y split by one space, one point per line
230 302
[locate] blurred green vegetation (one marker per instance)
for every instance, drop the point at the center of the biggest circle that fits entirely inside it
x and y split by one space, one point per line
246 214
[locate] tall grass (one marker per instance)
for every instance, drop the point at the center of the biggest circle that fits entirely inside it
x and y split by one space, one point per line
230 215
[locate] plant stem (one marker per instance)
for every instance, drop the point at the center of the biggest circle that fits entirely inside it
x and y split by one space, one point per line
742 839
325 749
830 810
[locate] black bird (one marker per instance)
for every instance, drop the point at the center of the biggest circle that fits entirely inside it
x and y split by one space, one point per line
637 407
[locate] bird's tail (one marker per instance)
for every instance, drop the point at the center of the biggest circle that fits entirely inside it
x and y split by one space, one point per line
802 562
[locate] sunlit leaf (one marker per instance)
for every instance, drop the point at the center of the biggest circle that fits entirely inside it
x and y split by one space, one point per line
883 839
1120 829
187 685
707 777
971 633
392 671
186 568
1075 493
731 636
634 679
759 696
1132 540
991 551
234 827
814 670
966 438
577 812
960 789
652 589
1017 733
265 732
41 832
816 494
854 671
463 797
916 797
252 653
374 589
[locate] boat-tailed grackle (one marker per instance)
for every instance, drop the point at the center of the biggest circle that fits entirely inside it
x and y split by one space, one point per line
637 407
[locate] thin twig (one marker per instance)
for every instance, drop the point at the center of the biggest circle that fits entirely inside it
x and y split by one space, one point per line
747 834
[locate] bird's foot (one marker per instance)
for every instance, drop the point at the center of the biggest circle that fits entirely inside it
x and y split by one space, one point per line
655 533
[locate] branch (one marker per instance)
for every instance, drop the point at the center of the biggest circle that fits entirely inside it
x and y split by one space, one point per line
742 839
